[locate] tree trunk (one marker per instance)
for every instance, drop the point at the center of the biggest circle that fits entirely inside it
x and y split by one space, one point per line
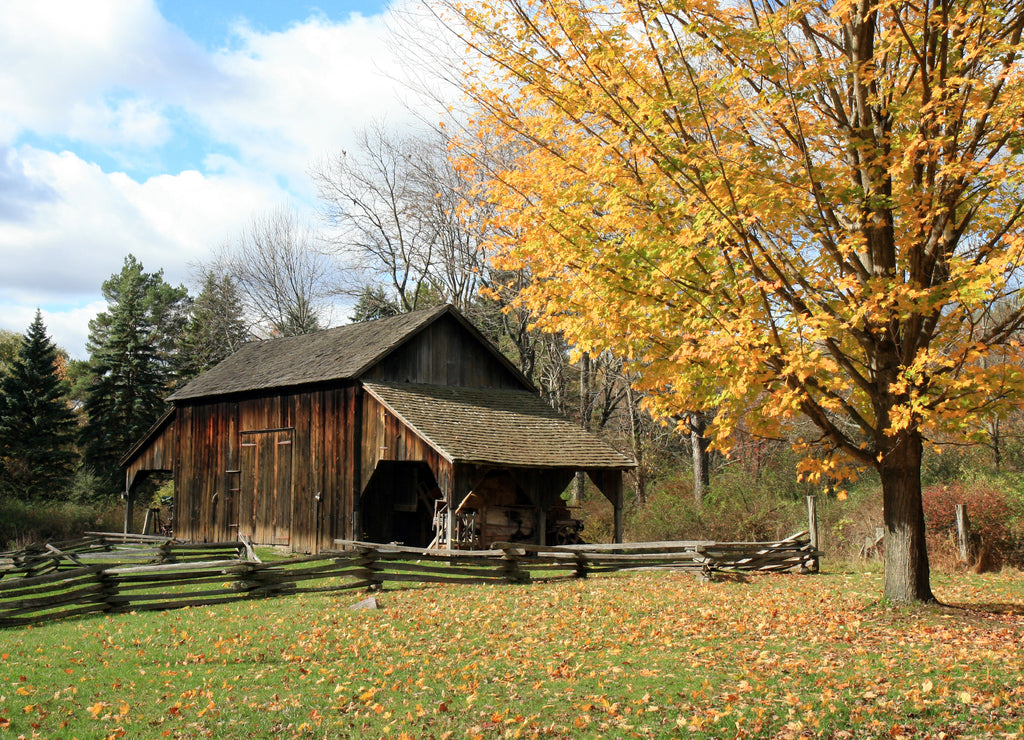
586 410
906 553
636 446
699 447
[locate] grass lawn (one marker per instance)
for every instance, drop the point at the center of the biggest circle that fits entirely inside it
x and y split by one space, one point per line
643 655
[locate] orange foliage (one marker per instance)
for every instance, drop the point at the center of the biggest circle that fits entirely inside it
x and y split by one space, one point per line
774 210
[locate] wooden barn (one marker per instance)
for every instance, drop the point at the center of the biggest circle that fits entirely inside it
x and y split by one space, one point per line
411 429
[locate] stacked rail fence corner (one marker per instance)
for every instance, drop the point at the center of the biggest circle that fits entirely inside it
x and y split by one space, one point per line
126 573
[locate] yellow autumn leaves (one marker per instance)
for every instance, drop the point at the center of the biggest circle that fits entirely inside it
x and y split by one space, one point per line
766 219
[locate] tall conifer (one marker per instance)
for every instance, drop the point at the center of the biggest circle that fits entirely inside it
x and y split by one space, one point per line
216 326
133 347
37 425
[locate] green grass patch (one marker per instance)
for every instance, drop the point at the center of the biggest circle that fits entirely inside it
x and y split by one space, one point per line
645 655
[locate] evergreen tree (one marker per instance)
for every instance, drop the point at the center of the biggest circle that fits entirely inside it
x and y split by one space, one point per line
298 319
134 364
216 326
374 303
37 426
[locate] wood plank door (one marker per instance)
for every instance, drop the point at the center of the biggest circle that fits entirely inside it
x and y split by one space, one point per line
265 498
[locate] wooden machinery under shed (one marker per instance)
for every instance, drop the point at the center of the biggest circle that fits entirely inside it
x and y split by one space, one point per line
405 429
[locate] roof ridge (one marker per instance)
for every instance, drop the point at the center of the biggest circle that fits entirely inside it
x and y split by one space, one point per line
338 353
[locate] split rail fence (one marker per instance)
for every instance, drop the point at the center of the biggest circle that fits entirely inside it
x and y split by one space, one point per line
115 573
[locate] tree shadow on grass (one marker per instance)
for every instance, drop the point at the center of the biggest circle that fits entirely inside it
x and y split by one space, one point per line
983 612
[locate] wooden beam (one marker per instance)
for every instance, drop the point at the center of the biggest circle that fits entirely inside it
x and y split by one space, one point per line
609 482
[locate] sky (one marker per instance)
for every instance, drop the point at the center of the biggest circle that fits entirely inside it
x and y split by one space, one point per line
161 127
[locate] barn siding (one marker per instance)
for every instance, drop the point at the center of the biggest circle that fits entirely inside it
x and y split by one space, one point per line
385 437
445 353
208 477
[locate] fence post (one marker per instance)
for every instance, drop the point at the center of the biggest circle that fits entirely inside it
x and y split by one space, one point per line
510 566
963 534
581 564
369 569
812 527
109 591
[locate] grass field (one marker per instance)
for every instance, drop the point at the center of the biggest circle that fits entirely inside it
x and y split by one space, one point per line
644 655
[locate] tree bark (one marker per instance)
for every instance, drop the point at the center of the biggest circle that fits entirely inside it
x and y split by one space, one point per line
906 553
699 447
586 410
636 446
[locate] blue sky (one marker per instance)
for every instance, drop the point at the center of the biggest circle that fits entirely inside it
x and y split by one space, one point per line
160 127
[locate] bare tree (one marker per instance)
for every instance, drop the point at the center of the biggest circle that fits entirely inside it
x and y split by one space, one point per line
395 203
283 278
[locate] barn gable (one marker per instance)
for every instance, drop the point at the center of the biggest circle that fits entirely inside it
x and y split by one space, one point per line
362 432
437 345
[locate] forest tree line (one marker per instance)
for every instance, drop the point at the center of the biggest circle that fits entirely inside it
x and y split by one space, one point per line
394 238
401 231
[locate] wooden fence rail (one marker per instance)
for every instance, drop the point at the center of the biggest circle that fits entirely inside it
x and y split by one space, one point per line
98 574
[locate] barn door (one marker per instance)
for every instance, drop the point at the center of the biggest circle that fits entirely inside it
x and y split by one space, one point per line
265 498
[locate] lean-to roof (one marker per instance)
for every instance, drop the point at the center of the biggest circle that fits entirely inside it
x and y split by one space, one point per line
495 426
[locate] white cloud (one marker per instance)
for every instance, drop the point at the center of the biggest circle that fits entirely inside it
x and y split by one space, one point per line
61 61
303 93
72 243
135 123
68 327
113 81
110 73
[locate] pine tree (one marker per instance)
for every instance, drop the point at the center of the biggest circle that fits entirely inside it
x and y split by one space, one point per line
374 303
37 426
216 326
134 360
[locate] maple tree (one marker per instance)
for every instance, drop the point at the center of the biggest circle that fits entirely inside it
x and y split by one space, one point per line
776 210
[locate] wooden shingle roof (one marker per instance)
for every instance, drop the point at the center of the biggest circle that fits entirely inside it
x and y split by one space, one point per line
495 426
333 354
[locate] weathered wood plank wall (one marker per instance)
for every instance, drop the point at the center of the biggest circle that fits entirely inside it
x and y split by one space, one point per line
444 354
308 489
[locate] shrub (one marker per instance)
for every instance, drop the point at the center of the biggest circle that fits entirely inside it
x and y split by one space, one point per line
22 523
845 525
734 510
991 509
669 513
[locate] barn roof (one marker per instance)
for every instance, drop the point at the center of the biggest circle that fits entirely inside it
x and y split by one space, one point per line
495 426
333 354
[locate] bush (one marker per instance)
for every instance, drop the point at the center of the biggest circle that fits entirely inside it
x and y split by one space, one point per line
993 509
845 525
669 513
23 523
734 510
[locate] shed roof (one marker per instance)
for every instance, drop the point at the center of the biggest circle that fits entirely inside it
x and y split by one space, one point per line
343 353
495 426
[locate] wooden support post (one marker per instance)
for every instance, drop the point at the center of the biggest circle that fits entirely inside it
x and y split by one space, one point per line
609 482
129 502
542 523
617 515
963 534
812 527
449 522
